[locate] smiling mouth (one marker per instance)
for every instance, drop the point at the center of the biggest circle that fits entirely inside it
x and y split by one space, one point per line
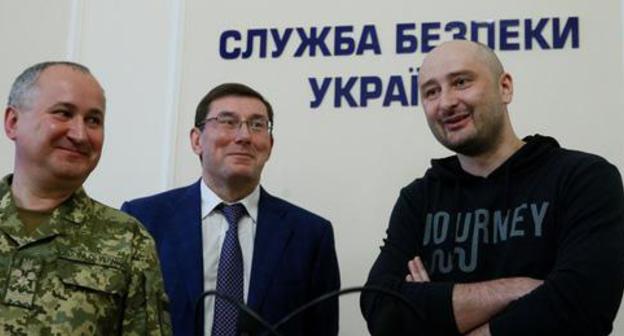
247 155
456 121
75 151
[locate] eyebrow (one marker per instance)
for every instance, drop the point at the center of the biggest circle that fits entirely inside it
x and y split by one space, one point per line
72 106
453 74
96 111
231 113
460 73
429 82
64 104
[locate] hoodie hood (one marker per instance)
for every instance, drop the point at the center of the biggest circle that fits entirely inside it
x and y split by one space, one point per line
535 149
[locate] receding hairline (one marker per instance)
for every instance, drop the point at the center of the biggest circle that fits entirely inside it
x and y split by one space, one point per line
27 82
81 69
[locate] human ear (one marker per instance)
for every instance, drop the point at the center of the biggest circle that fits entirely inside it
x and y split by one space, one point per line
506 87
10 122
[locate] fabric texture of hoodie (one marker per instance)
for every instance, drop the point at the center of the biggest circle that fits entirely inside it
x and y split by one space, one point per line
546 213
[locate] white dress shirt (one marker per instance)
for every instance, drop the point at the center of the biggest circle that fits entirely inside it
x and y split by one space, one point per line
214 226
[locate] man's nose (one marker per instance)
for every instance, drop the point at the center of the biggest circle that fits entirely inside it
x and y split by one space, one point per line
243 133
77 130
448 99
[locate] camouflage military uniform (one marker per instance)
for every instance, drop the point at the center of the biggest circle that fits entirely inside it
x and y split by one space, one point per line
91 270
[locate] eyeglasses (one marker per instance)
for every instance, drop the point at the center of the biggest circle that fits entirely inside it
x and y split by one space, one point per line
228 122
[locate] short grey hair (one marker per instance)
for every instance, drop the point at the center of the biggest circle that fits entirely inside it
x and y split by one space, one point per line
24 84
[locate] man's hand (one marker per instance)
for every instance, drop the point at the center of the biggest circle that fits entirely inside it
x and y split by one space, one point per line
418 273
483 330
474 304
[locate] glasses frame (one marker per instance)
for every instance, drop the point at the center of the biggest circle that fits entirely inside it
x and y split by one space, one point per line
239 124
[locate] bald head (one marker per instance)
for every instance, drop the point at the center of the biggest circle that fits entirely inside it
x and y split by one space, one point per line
465 49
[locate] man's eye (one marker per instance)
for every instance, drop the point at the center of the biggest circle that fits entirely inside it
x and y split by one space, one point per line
461 82
431 93
95 121
258 124
62 113
228 121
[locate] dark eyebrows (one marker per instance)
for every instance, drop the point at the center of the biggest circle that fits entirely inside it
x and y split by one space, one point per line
231 113
461 73
429 82
226 113
450 75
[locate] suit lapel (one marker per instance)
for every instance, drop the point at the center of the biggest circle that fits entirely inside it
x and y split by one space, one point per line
272 235
187 240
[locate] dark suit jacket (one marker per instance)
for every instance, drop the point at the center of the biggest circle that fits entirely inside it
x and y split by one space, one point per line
294 260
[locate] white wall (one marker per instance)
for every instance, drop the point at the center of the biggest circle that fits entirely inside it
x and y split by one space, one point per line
157 58
24 43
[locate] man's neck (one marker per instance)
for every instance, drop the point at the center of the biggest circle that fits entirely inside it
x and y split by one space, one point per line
31 195
484 164
232 191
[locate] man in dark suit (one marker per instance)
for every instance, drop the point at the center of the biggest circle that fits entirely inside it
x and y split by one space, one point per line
225 232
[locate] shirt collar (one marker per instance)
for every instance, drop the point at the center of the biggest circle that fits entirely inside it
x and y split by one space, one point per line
210 200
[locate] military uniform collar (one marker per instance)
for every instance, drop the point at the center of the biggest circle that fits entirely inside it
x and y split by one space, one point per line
74 210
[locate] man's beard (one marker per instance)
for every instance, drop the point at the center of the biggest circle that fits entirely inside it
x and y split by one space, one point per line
483 140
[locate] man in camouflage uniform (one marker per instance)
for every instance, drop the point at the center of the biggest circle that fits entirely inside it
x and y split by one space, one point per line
68 264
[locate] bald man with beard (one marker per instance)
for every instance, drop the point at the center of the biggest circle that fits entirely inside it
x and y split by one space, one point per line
509 236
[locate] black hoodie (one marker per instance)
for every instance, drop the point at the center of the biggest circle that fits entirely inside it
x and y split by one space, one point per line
546 213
